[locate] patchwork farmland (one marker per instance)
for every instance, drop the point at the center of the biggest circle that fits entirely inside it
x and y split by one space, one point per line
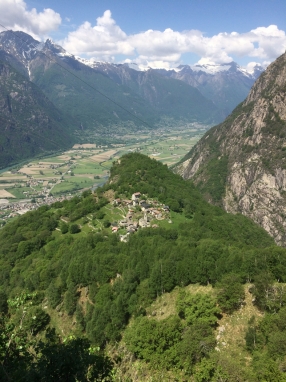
85 166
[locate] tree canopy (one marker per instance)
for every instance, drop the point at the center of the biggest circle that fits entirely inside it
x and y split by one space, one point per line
103 282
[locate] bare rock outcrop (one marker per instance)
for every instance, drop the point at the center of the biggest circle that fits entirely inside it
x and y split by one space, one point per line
241 163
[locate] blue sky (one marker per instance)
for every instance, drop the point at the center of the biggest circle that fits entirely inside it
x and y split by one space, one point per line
156 33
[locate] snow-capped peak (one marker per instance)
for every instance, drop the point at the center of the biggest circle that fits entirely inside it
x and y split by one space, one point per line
211 68
214 69
92 63
134 66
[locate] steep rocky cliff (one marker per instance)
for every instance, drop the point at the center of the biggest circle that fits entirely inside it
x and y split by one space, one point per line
241 163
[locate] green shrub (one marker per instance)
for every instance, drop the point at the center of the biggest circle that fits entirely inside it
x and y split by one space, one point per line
74 228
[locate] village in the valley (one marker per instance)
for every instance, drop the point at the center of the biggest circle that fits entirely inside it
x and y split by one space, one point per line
33 192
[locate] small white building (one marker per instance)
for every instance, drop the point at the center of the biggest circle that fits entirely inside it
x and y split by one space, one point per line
136 196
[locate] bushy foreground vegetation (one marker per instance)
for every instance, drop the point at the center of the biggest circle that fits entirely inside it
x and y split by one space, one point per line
105 286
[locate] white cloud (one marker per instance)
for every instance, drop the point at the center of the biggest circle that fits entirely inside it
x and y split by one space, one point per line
165 48
105 39
250 67
15 15
271 42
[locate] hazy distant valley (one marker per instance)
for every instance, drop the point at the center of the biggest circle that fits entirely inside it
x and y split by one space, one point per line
73 109
46 180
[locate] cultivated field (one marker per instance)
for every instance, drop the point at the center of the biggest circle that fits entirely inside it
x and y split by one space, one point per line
85 146
6 194
87 165
103 157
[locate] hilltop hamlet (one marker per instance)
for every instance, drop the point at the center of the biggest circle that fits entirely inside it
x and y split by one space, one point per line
151 210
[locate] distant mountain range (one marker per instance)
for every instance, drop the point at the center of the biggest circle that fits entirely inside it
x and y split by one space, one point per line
226 85
148 99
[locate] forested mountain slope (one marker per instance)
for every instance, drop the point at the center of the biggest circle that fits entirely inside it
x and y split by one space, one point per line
225 85
81 279
29 123
169 97
240 164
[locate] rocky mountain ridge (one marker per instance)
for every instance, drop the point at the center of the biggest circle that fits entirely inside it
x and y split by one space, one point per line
69 83
203 93
225 85
241 163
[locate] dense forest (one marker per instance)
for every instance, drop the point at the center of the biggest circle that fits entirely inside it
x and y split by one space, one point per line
52 272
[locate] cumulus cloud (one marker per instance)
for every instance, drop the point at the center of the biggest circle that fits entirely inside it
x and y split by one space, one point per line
271 42
15 15
105 39
165 48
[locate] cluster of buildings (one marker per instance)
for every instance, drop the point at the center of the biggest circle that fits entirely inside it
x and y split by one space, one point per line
131 223
9 209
